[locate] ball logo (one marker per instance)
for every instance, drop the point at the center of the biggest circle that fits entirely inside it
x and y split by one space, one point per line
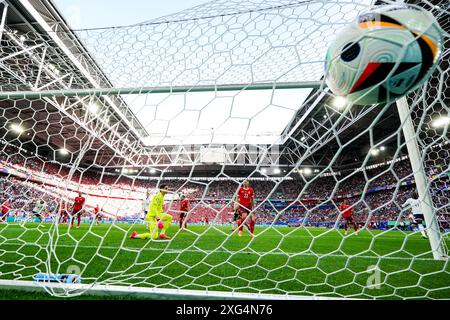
350 51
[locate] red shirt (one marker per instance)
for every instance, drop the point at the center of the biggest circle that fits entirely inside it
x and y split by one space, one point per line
5 207
96 209
246 197
62 208
346 209
184 205
79 202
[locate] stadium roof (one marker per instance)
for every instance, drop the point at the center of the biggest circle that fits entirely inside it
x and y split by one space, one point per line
272 112
118 142
36 36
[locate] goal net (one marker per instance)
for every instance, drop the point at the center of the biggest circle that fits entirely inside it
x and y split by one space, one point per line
199 102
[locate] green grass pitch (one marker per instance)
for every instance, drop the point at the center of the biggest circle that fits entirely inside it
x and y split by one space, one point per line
298 261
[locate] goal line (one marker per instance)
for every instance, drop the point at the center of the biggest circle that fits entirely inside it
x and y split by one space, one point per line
145 292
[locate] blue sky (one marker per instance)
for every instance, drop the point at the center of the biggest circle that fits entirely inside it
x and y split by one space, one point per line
105 13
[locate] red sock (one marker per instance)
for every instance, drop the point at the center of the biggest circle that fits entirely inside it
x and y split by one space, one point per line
240 226
252 226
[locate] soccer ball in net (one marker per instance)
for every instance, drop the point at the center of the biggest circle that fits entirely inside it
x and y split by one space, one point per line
384 54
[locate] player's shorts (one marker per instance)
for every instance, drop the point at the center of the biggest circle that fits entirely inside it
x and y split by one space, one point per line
152 219
74 212
349 219
182 215
152 223
243 209
237 215
418 218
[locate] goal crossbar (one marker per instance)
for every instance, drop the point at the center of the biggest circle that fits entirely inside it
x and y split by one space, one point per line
149 90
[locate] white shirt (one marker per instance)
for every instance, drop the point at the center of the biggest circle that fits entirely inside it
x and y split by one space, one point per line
415 205
40 207
146 204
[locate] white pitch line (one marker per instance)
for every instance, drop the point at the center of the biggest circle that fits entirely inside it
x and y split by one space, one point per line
385 236
178 251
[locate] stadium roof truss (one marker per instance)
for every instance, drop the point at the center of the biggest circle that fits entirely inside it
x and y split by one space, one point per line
31 61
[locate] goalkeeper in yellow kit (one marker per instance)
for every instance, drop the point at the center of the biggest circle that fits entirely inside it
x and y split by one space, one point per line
156 218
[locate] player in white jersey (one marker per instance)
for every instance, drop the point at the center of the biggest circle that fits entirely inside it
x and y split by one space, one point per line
416 215
146 204
39 209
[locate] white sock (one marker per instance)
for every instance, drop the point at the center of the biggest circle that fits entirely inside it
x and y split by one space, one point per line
422 230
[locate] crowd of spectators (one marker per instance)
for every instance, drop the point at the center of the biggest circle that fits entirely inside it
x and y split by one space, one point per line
377 194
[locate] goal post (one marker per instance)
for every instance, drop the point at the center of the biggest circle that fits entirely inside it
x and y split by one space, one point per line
434 233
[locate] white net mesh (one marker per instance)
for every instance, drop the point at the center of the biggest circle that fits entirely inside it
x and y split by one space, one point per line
201 101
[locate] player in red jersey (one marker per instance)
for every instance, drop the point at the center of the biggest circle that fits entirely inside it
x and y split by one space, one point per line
77 209
98 214
63 213
347 214
5 210
185 206
245 205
